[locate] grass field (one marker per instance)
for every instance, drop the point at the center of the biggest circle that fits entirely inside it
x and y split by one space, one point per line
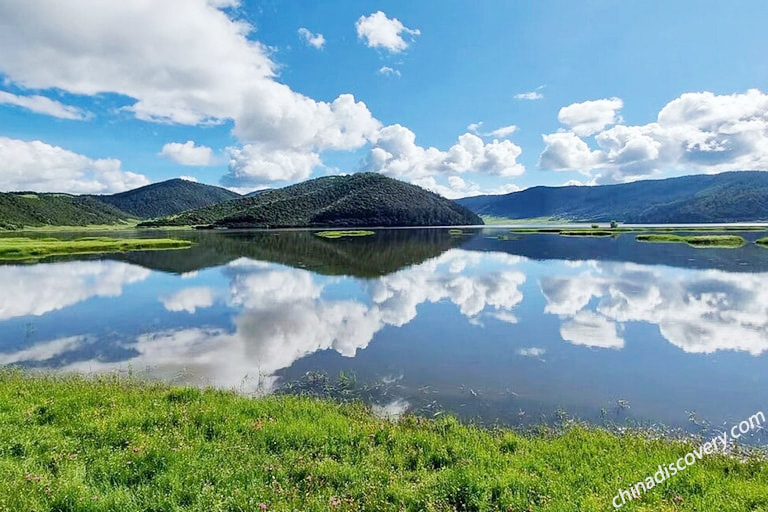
115 444
21 248
342 234
724 241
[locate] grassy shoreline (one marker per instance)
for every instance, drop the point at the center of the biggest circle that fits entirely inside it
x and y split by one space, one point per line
717 241
22 248
69 443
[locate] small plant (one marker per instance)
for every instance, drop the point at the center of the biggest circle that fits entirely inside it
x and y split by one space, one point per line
614 224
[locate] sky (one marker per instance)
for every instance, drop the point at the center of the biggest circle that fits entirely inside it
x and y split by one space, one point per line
460 97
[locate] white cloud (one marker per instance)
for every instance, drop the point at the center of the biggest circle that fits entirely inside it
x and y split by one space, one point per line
388 71
41 167
530 96
499 133
564 151
188 153
695 133
591 116
189 300
42 105
378 31
189 178
396 154
313 40
455 186
178 61
531 352
254 165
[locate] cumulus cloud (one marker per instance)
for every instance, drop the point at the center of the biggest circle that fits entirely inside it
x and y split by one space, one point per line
255 165
697 132
565 151
188 153
455 186
396 154
378 31
42 105
176 61
591 116
313 40
41 167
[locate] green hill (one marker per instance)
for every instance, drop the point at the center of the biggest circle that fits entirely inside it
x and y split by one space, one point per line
364 199
167 198
20 209
728 197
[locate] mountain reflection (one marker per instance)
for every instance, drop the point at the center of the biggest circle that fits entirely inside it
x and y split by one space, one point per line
282 314
697 311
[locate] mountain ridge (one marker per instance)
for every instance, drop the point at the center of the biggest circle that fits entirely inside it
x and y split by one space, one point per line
167 198
737 196
355 200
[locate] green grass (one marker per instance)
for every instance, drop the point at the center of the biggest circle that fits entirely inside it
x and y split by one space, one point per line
20 248
762 241
590 232
109 444
129 225
342 234
720 241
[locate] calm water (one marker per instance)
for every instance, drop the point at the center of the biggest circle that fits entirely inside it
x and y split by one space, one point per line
498 330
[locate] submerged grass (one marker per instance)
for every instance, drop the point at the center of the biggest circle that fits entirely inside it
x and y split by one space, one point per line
22 248
341 234
71 444
722 241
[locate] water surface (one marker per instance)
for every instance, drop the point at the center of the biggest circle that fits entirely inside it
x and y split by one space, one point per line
515 331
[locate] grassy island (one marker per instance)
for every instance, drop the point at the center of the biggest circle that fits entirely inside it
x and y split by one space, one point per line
342 234
763 242
724 241
21 248
109 443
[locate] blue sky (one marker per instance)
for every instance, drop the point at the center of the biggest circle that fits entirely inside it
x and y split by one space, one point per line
459 97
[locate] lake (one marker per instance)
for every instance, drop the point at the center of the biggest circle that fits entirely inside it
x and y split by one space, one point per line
519 331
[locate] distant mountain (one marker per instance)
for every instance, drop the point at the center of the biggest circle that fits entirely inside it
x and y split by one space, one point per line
20 209
364 199
167 198
728 197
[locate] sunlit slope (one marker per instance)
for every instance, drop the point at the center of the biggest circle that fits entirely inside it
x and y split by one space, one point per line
365 199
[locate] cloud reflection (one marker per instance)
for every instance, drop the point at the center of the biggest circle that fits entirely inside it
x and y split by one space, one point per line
284 314
698 311
40 289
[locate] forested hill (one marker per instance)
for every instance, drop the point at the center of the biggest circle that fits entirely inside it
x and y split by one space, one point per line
20 209
364 199
167 198
728 197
